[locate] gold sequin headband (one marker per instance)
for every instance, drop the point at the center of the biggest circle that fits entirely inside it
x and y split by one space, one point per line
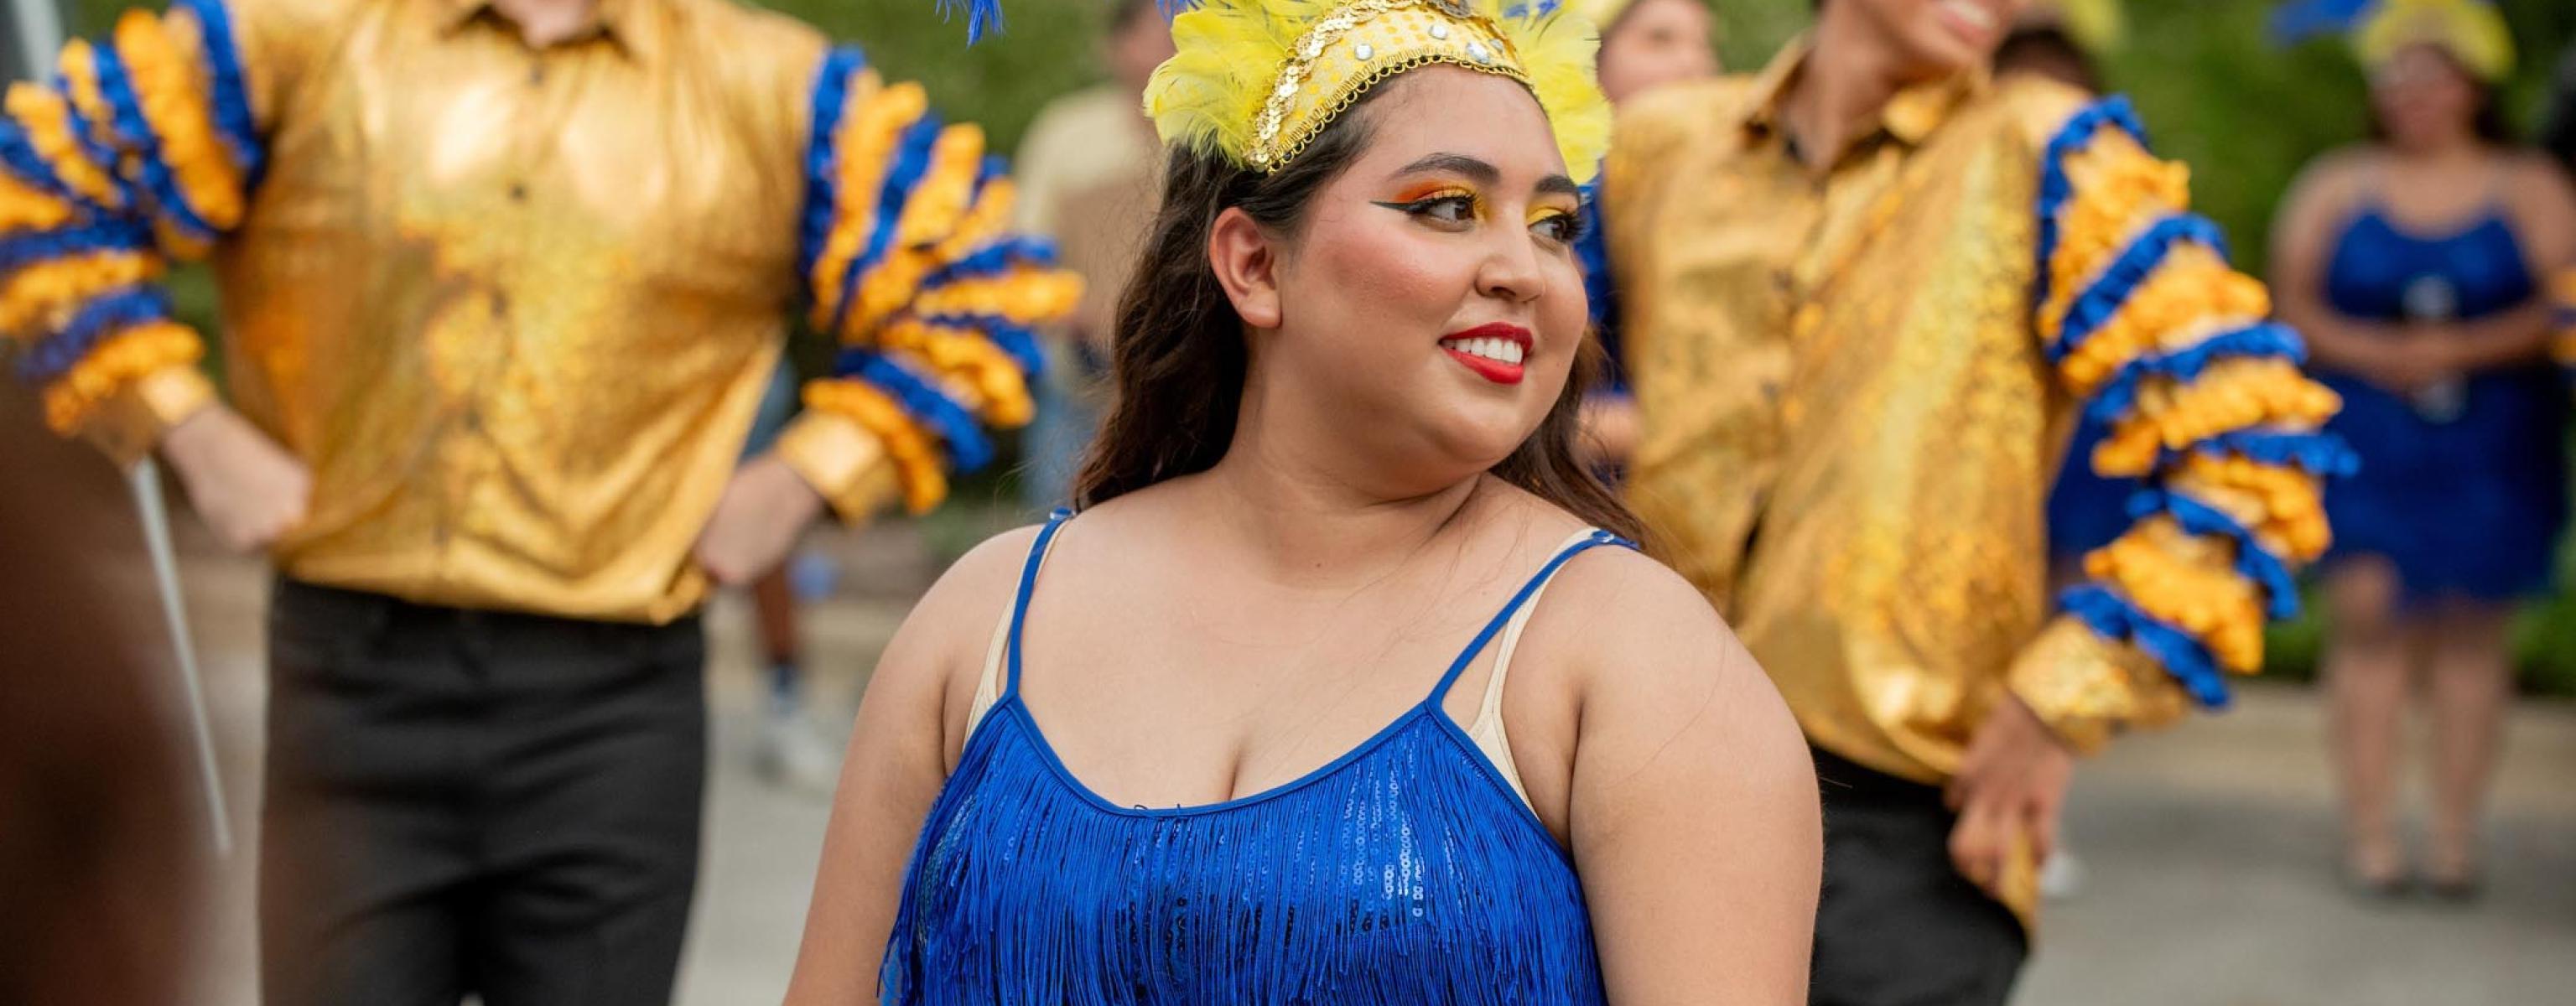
1258 80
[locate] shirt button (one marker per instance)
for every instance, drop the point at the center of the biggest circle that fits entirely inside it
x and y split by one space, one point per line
537 76
500 304
518 192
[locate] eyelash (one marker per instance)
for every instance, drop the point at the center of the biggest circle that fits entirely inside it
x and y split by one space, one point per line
1570 224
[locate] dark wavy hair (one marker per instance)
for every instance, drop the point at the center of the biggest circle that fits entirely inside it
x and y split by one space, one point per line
1179 358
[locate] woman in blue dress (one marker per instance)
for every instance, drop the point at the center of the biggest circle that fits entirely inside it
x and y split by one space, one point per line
1282 716
2414 264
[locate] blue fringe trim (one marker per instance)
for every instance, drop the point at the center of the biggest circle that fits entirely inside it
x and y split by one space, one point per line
231 98
968 449
137 132
831 98
18 155
114 311
20 250
2101 301
2265 339
2182 656
982 16
2055 188
1020 344
2253 561
911 161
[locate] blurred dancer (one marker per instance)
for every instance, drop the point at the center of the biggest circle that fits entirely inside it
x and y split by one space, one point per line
502 284
1089 174
1645 44
2415 262
1866 293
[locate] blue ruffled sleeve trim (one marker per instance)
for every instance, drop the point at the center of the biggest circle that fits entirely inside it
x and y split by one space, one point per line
2264 339
2102 300
2055 188
968 449
108 313
2253 561
2182 656
138 136
831 97
231 95
911 161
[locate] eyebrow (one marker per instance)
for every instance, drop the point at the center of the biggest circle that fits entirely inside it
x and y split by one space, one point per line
1485 174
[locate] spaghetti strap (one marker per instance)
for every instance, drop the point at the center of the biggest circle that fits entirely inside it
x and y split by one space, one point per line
1521 597
1028 587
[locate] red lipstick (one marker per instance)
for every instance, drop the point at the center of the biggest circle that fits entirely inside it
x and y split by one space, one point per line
1496 351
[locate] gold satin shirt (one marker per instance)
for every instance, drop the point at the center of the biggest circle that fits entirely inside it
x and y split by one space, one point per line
515 306
1849 427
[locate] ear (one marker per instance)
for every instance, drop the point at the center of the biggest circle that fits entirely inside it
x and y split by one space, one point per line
1246 262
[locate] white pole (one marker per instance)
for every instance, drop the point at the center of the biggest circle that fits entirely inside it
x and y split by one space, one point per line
39 33
39 30
146 477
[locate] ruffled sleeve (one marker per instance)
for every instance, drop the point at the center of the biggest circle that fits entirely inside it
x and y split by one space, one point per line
140 151
2149 326
911 266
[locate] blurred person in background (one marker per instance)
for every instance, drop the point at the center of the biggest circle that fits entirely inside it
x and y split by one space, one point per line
1866 294
2414 262
100 859
502 282
1089 176
1645 44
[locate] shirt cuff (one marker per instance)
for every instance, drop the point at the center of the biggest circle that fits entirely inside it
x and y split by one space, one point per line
130 423
2087 688
844 463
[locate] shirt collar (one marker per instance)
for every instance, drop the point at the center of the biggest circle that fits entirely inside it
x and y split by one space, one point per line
1909 117
626 22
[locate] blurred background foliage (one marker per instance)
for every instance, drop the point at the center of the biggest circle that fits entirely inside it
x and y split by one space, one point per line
2212 89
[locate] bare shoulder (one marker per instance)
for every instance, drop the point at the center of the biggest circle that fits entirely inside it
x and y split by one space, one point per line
2542 197
1657 674
943 640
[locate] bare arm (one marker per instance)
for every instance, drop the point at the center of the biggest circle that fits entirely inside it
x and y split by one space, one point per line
1694 814
2302 240
898 760
2543 208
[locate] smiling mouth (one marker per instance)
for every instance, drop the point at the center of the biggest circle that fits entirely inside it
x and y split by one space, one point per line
1494 352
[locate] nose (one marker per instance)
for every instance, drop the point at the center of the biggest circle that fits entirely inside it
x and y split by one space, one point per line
1511 270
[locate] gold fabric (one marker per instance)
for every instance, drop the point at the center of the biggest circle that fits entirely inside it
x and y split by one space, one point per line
1849 426
516 306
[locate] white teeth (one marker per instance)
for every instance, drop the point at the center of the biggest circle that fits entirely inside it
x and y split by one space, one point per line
1505 350
1975 14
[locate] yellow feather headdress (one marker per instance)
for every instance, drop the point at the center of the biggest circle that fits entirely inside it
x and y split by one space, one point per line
2470 31
1256 80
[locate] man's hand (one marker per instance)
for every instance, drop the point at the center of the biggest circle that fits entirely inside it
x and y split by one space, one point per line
2010 785
757 521
245 486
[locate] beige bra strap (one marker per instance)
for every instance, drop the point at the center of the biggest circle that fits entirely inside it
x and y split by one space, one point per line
1487 729
988 687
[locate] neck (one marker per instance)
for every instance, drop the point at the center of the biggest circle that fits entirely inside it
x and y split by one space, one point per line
546 22
2455 149
1848 77
1308 517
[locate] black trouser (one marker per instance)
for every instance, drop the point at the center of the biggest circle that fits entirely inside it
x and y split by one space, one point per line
473 802
1898 924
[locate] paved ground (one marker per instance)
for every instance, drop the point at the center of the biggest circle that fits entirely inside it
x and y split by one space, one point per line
2208 847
